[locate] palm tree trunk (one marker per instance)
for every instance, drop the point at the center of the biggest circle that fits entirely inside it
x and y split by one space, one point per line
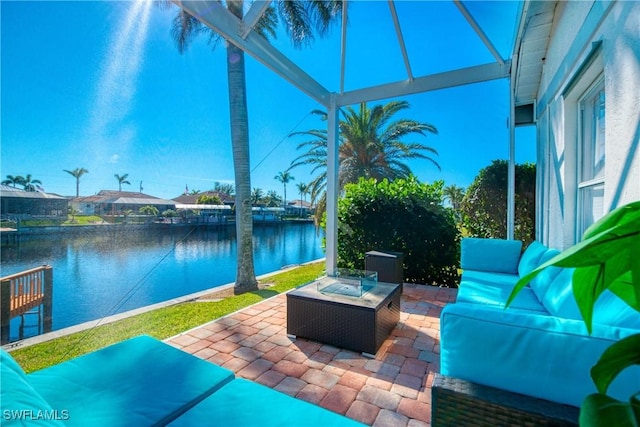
245 273
78 187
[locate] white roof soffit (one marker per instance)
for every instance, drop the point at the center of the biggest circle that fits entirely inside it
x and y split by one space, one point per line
217 17
531 46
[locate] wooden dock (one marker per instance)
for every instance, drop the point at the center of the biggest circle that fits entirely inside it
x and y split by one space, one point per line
27 292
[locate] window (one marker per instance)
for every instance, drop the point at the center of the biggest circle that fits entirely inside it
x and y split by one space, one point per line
591 156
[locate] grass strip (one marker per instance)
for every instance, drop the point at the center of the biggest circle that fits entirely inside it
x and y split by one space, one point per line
161 323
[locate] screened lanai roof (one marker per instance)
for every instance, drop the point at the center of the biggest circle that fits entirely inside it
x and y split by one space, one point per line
498 40
480 50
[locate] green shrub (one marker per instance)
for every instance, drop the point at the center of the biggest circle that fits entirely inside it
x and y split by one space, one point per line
484 207
401 216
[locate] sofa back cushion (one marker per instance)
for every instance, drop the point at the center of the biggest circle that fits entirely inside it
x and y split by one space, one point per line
21 403
493 255
530 259
541 283
612 311
559 299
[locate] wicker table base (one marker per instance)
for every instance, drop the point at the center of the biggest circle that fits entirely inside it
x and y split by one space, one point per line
457 402
354 323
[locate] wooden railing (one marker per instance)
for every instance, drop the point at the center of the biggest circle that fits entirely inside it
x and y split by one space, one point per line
23 292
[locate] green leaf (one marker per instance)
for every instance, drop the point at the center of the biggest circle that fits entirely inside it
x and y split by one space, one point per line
599 410
625 214
615 359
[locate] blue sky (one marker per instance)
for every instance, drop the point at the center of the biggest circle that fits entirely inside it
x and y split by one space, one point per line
101 85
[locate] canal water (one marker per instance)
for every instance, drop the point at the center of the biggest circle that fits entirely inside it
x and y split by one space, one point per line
99 273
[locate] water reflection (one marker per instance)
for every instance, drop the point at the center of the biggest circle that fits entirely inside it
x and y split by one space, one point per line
108 271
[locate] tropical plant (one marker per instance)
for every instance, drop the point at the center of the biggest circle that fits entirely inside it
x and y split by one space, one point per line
300 19
77 173
169 213
208 199
454 195
149 210
484 206
403 216
303 190
13 180
224 188
122 180
284 178
371 145
606 258
30 184
257 197
272 199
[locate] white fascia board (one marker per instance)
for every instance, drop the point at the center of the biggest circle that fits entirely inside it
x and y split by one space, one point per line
218 18
460 77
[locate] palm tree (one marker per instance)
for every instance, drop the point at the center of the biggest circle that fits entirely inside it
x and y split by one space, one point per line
284 177
227 189
29 183
257 196
454 195
13 180
272 199
77 173
122 180
303 189
299 18
371 146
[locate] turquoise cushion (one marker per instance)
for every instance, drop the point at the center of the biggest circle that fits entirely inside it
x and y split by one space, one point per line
611 310
530 259
484 293
495 255
243 403
540 284
21 403
141 381
494 279
559 299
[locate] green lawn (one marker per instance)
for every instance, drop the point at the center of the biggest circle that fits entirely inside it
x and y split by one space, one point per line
161 323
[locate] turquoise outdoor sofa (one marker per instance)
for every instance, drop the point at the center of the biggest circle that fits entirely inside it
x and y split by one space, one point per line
539 345
145 382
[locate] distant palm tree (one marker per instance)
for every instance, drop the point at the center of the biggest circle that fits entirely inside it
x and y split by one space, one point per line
272 199
227 189
13 180
371 145
77 173
257 196
454 195
122 180
303 190
30 184
284 177
299 18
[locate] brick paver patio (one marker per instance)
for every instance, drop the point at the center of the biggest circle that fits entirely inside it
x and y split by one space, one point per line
394 389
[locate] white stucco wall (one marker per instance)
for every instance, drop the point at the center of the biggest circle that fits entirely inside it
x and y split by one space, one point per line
576 26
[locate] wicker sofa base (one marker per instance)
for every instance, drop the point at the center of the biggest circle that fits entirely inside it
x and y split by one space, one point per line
457 402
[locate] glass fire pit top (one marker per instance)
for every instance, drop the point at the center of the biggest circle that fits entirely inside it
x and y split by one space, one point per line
349 282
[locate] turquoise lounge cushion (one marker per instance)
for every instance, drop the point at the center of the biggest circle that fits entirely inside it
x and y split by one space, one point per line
495 255
494 279
243 403
21 403
141 381
559 299
611 310
540 284
485 293
530 259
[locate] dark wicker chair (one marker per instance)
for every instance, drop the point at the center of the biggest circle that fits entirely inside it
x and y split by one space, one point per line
457 402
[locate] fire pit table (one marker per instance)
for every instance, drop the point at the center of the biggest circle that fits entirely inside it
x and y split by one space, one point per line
354 313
